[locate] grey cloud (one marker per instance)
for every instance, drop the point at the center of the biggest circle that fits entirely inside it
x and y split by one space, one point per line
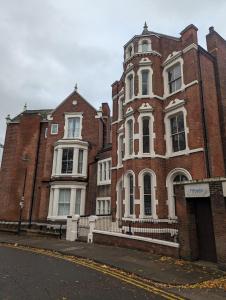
48 45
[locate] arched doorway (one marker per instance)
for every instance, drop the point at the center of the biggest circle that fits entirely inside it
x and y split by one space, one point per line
176 175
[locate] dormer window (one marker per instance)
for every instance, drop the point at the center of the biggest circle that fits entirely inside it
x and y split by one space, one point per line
174 78
145 46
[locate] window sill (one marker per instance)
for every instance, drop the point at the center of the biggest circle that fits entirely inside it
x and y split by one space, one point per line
68 175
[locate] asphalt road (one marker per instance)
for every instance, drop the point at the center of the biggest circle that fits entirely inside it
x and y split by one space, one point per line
25 275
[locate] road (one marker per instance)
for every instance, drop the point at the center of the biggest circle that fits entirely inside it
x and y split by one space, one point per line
27 275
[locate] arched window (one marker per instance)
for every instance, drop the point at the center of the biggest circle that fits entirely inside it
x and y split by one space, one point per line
180 178
131 194
145 80
130 86
120 150
147 194
147 185
129 51
144 46
130 137
146 134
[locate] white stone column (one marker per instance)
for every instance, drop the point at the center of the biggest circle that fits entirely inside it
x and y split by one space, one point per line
83 201
51 197
75 162
59 161
54 162
141 202
85 162
72 201
55 202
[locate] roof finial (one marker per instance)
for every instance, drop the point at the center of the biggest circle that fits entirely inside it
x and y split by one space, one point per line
145 30
76 87
25 106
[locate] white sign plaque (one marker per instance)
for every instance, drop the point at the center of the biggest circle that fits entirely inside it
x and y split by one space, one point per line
224 188
200 190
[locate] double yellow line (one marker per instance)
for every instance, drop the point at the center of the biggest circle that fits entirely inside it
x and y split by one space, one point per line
121 275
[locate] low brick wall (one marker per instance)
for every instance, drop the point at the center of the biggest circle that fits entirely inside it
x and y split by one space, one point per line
136 243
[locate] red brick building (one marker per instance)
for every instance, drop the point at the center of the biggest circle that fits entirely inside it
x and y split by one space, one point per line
168 125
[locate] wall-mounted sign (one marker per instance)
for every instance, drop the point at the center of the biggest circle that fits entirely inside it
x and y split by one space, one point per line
198 190
224 188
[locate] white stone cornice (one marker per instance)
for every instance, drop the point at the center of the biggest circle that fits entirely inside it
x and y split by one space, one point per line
174 104
171 57
190 47
145 107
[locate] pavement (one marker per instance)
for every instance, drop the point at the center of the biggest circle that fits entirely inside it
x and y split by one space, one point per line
156 268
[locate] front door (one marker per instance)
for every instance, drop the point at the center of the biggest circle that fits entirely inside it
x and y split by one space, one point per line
205 232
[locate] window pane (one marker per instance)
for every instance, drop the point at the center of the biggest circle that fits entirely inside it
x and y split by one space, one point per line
80 161
180 121
146 135
145 77
130 135
145 46
78 201
147 184
175 143
182 142
174 78
67 161
173 123
64 202
73 127
147 204
130 82
131 196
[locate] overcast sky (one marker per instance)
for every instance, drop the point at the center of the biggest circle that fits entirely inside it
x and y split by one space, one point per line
46 46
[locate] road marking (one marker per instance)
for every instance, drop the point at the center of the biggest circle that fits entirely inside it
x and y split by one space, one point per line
121 275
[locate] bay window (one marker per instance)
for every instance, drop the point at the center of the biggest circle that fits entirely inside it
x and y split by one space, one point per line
67 161
146 134
64 202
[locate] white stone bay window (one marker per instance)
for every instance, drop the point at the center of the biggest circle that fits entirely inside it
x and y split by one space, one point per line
70 159
66 199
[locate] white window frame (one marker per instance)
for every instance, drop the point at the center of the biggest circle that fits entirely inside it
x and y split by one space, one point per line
170 190
140 49
57 158
168 66
150 86
127 195
127 92
127 155
101 166
119 150
151 133
120 108
54 198
169 146
67 117
128 56
56 126
154 201
99 203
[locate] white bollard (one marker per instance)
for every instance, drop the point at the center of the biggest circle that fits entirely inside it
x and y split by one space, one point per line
92 225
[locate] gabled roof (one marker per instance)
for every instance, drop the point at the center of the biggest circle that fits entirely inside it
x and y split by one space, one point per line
74 93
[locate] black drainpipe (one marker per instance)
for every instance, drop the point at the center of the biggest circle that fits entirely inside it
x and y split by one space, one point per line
205 131
34 178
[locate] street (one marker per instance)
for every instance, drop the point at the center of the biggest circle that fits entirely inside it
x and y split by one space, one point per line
26 275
